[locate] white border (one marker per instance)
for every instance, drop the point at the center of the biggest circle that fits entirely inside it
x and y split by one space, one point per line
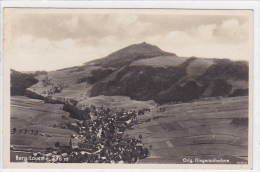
254 5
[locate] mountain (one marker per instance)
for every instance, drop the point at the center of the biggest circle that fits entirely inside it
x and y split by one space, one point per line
130 54
145 72
20 82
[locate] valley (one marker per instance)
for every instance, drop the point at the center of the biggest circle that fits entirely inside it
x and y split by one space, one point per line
172 132
203 129
153 105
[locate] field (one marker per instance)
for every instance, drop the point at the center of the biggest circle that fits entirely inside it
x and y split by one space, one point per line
117 102
212 129
204 129
69 77
160 61
31 114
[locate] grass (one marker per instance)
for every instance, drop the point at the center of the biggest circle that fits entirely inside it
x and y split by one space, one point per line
199 66
196 129
39 117
68 77
118 102
23 139
160 61
28 114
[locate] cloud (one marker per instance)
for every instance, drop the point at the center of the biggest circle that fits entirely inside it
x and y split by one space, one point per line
80 26
42 54
64 40
232 31
72 24
230 39
203 32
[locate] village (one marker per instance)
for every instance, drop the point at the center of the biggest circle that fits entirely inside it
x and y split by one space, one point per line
99 140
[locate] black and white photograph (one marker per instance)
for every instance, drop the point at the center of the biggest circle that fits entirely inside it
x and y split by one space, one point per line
128 86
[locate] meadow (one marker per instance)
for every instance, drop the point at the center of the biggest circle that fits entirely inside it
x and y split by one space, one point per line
203 129
32 114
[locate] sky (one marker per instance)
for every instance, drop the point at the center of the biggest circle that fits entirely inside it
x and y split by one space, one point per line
58 38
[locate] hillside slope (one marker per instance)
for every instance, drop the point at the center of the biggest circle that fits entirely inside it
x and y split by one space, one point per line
145 72
20 82
203 130
130 54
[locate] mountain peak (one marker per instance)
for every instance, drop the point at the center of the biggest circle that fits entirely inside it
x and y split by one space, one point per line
140 48
131 53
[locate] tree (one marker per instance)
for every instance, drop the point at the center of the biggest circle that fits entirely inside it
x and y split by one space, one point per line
87 110
57 144
150 147
140 136
14 130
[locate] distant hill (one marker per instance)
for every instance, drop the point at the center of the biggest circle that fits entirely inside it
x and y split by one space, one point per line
145 72
130 54
21 81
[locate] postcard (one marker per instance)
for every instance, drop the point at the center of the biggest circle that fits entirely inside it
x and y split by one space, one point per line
128 88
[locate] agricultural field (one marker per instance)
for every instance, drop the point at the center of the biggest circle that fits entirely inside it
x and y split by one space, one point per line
69 77
117 102
160 61
212 129
32 115
202 129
